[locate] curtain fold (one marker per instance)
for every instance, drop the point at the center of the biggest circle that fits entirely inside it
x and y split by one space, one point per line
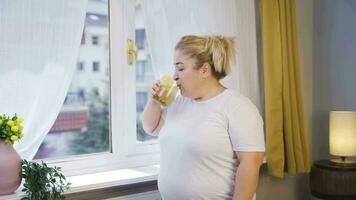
287 144
39 45
166 21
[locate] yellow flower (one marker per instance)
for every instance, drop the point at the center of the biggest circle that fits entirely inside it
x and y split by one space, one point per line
14 129
1 122
19 120
10 123
20 127
14 138
20 136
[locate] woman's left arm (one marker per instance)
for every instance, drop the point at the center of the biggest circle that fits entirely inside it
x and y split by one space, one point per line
247 174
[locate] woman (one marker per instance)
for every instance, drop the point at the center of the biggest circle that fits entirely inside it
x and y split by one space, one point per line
211 138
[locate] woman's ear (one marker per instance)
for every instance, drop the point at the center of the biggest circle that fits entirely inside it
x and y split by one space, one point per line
205 70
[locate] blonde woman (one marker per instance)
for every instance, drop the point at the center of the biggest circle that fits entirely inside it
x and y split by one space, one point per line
211 138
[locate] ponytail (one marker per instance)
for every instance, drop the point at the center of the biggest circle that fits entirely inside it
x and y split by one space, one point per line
218 51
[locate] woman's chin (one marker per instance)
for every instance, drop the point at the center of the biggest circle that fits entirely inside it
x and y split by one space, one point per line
181 92
185 95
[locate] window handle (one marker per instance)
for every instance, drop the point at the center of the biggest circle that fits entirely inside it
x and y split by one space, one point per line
131 51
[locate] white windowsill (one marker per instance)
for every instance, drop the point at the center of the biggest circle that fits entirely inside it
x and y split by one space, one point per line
106 179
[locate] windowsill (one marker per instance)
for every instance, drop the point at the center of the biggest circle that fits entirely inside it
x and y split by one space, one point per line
102 180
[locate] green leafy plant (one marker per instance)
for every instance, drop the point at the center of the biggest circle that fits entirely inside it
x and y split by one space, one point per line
42 182
10 128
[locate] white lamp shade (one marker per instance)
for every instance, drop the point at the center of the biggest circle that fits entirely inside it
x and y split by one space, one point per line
342 138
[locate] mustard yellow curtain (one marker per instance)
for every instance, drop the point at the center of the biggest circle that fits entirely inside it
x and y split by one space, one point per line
287 145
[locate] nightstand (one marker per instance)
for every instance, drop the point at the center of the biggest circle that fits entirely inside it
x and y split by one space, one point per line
331 182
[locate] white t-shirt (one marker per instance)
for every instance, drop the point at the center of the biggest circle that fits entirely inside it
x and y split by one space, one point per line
198 141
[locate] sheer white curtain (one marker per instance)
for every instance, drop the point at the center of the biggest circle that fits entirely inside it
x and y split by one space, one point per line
166 21
39 44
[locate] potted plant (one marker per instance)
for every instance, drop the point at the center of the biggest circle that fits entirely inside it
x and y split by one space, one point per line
10 161
42 182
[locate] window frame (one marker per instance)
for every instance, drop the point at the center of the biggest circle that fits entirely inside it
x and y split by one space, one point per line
125 151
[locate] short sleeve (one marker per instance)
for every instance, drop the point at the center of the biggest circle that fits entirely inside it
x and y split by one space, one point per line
245 127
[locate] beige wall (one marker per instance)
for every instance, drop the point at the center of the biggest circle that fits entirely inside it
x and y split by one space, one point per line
296 187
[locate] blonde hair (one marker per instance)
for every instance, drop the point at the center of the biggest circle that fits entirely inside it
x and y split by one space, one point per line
218 51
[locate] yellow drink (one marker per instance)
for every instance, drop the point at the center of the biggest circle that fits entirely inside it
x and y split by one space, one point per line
167 92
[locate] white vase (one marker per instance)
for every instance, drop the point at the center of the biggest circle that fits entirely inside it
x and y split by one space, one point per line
10 169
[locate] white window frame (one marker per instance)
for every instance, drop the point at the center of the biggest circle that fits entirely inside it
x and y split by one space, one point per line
126 152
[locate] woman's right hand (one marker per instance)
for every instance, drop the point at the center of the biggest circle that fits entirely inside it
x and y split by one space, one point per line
151 116
156 87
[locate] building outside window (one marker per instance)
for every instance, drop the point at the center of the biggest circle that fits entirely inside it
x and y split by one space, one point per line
144 74
96 66
141 99
140 70
95 40
81 66
140 38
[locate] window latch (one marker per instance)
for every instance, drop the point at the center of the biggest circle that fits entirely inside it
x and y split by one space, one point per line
131 52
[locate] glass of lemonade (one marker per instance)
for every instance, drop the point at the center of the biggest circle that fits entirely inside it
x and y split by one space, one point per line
168 90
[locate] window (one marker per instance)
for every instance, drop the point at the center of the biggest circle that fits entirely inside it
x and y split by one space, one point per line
140 70
141 99
94 40
81 66
96 66
82 126
140 38
144 75
98 127
81 94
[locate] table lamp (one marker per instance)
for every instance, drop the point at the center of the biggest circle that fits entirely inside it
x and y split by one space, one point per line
342 137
